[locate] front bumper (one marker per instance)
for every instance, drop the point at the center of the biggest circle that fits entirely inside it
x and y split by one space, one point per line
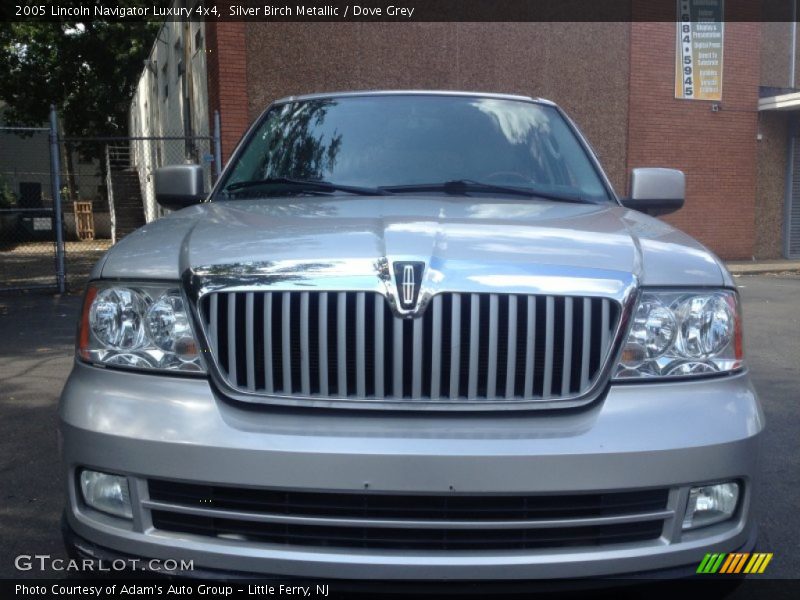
638 436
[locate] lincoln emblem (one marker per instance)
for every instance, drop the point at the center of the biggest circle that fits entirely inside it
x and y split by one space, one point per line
408 278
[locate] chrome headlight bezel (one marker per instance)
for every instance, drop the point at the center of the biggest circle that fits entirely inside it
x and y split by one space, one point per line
679 333
117 325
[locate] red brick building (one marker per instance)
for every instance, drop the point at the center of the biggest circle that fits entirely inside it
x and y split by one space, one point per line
617 80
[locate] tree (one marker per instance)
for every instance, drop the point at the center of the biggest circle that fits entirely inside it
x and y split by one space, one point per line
87 69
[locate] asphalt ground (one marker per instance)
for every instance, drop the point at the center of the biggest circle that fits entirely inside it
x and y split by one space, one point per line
36 349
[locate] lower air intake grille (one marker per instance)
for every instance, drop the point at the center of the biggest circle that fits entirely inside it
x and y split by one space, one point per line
421 522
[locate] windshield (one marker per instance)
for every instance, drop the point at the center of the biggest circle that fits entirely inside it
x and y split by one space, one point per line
397 141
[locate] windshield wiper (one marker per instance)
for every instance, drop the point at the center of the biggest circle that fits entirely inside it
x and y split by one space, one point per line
462 186
305 186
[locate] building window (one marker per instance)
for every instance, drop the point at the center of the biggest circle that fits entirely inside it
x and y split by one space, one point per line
164 75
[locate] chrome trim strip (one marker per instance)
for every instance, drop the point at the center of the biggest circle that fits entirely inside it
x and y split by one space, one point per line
403 523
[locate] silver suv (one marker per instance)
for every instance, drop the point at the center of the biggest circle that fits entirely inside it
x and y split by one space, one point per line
412 335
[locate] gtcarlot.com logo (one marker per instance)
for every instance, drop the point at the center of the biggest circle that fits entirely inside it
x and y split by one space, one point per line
44 562
736 562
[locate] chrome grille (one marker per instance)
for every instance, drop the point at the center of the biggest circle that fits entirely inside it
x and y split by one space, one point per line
464 347
472 347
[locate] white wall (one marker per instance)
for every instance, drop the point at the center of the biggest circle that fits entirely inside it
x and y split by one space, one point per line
157 105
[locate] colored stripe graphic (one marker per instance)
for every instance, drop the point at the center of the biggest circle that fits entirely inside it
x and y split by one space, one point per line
764 564
701 568
737 567
734 562
711 563
727 564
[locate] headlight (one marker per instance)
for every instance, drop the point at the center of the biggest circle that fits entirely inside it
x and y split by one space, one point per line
137 326
681 333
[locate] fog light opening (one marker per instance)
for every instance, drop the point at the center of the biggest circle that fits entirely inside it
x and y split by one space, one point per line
711 504
106 493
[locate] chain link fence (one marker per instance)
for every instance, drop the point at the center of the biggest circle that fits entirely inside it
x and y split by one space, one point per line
103 187
27 214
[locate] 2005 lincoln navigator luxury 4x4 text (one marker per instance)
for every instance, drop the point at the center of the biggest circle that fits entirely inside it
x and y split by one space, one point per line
412 335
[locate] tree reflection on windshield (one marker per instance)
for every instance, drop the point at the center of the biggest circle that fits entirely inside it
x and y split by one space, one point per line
292 149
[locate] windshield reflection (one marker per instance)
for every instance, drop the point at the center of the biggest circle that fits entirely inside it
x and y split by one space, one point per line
403 140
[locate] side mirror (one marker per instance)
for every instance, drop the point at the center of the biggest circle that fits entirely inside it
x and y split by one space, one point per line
656 191
179 186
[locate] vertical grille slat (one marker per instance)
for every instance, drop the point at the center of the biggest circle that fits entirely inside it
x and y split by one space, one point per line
550 309
474 336
511 360
416 374
530 347
305 352
566 369
341 344
361 354
436 348
286 337
587 340
250 351
213 327
397 358
462 347
232 370
379 348
455 346
269 382
323 343
491 371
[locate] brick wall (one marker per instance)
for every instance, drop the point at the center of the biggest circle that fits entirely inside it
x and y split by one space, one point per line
716 150
536 59
227 80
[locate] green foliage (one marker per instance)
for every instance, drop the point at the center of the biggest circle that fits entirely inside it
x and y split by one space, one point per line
87 69
8 198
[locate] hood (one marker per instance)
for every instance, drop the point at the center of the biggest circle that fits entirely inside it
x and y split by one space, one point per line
350 235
